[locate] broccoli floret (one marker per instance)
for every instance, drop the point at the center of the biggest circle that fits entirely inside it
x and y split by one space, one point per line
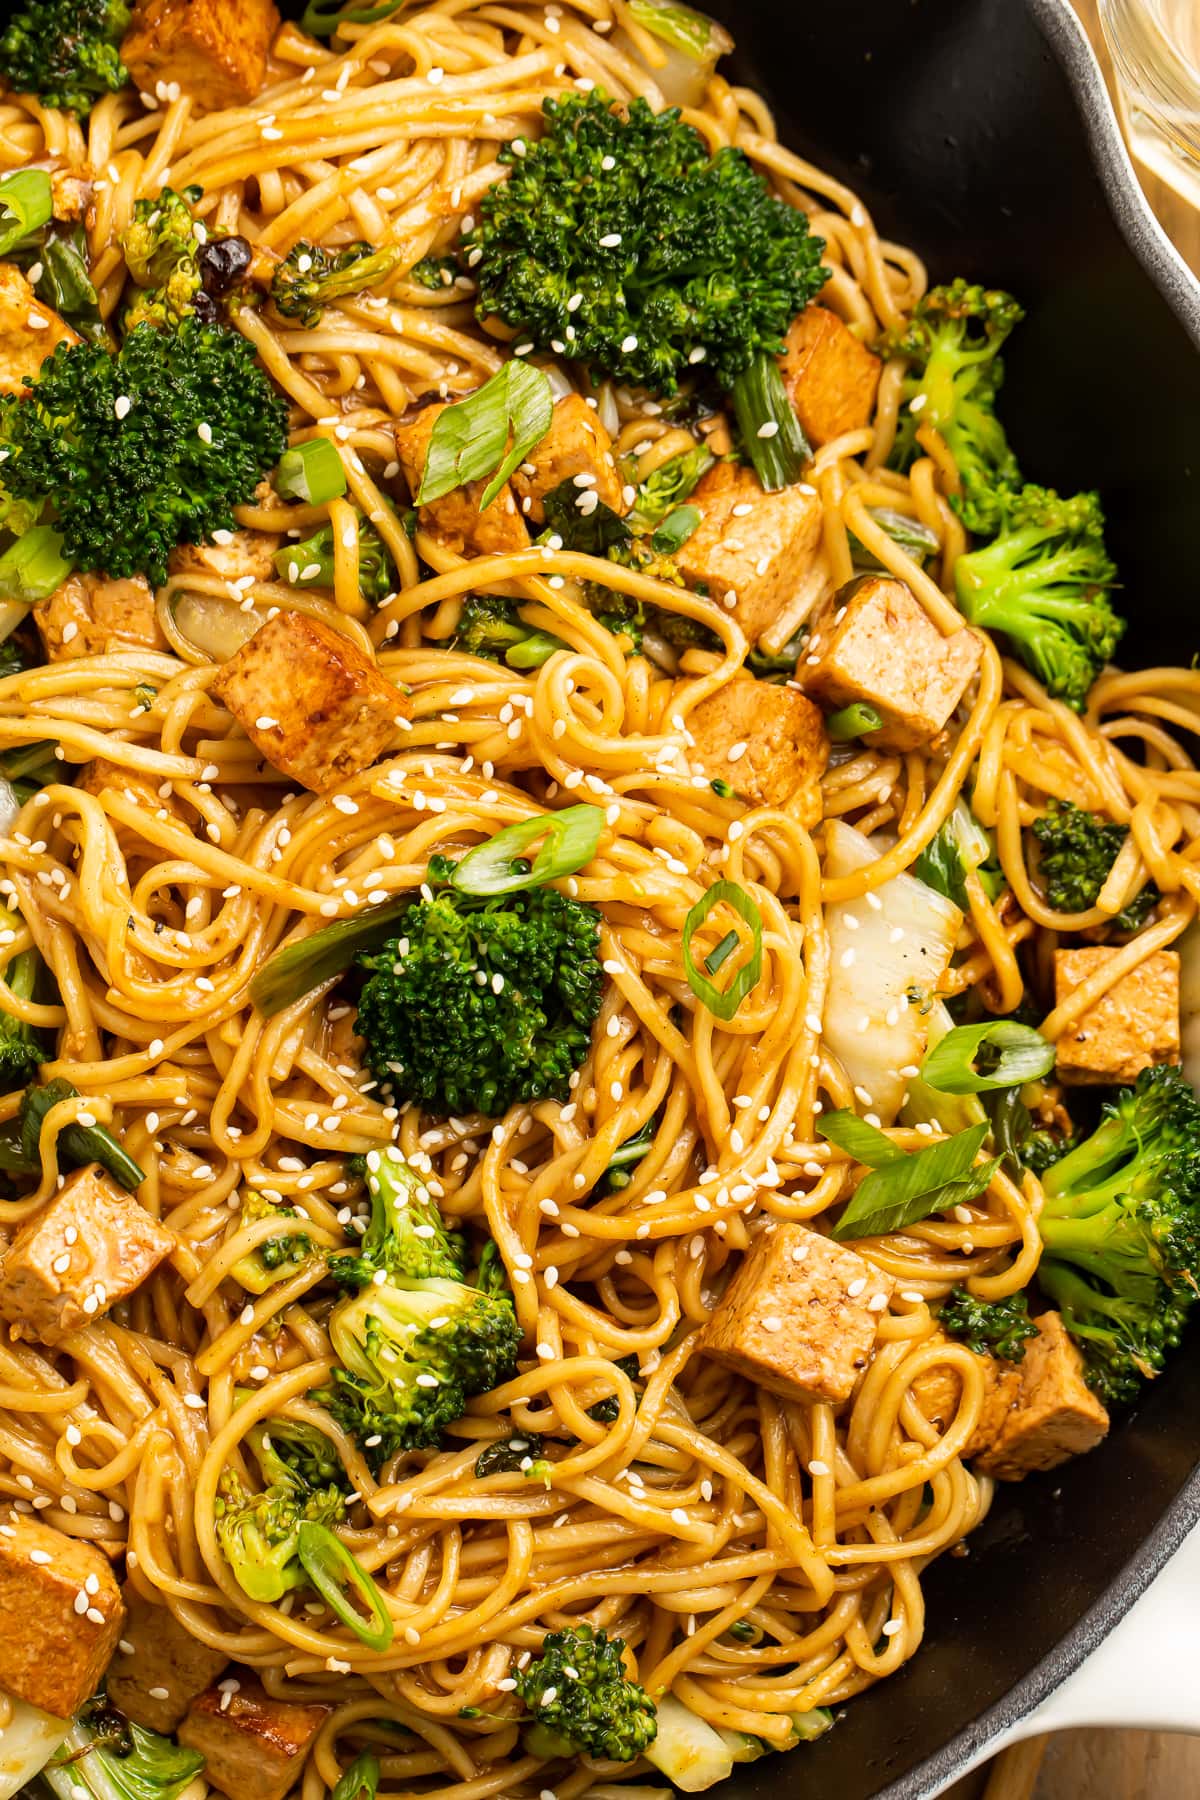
310 563
581 1700
995 1327
952 341
309 278
519 1454
21 1049
1044 583
1076 853
276 1257
619 235
492 626
129 483
161 246
406 1235
668 486
294 1454
441 1035
1120 1231
434 272
67 52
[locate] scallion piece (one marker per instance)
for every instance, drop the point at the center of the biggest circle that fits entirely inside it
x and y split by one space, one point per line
1012 1054
905 1189
852 721
26 204
499 866
771 433
311 471
721 954
33 567
337 1575
312 961
675 530
723 1002
360 1781
490 433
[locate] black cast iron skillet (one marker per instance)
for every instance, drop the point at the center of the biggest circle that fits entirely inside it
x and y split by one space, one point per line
978 131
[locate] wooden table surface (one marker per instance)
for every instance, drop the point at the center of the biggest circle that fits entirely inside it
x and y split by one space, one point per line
1104 1765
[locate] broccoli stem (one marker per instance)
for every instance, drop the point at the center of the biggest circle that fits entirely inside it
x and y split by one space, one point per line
33 567
770 431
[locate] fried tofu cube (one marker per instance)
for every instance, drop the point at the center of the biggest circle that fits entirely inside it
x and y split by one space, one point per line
576 448
874 643
60 1615
1040 1411
72 193
98 774
1132 1026
246 553
157 1652
254 1747
456 520
768 742
830 376
29 331
315 706
800 1316
88 1247
937 1391
749 543
98 615
214 50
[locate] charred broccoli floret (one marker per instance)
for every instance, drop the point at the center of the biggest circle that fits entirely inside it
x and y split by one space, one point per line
67 52
581 1700
309 278
1044 583
989 1327
1076 852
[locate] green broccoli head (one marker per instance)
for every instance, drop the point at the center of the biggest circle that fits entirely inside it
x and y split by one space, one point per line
310 562
309 278
1076 851
276 1258
294 1455
412 1354
989 1327
406 1235
619 241
481 1003
1121 1232
1044 583
129 482
259 1534
581 1700
67 52
492 626
21 1050
160 246
952 341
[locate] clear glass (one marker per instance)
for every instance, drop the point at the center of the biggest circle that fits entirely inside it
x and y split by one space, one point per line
1155 46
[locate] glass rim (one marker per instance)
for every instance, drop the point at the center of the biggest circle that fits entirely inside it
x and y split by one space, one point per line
1153 66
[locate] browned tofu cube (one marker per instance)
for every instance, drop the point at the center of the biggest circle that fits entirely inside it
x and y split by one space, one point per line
754 545
29 331
95 615
831 377
159 1667
72 193
60 1615
310 700
245 553
768 742
88 1247
1134 1024
577 448
254 1747
98 774
801 1315
215 51
1041 1411
455 520
875 643
937 1390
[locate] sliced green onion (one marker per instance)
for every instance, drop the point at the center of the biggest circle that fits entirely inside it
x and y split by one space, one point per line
771 433
26 204
491 432
675 530
336 1575
312 961
311 471
917 540
1016 1053
723 1002
722 952
498 866
865 1143
907 1189
534 650
77 1144
360 1780
33 567
852 721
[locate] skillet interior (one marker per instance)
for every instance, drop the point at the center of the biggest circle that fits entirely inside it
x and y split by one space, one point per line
959 128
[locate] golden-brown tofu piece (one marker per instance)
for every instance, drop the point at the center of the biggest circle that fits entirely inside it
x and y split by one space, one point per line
831 377
254 1747
98 774
316 707
754 545
937 1389
72 193
768 742
875 643
29 331
576 448
800 1316
1134 1024
60 1615
245 553
455 520
162 1655
1041 1411
98 615
88 1247
214 51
